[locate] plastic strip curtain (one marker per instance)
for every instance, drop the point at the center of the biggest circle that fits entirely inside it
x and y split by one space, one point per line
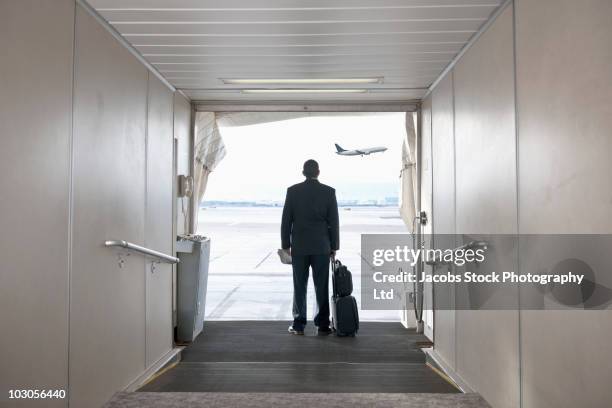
408 174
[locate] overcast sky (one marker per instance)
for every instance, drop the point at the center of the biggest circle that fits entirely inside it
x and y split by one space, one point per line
263 160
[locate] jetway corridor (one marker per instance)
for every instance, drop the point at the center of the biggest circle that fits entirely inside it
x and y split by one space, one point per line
490 288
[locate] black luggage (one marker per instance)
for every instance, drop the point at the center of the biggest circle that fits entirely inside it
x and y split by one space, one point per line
345 316
342 279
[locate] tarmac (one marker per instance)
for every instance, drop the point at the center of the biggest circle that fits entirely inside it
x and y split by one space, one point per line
247 281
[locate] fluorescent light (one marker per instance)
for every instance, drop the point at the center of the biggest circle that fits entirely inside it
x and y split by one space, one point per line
304 90
300 81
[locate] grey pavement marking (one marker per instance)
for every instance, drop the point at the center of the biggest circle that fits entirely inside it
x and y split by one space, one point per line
263 260
365 260
219 256
224 304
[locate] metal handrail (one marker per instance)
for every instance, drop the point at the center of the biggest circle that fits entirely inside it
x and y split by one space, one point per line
142 250
470 245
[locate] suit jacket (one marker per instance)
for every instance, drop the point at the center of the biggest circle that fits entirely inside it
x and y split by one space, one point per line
310 219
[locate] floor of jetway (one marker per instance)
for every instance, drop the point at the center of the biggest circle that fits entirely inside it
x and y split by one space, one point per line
260 357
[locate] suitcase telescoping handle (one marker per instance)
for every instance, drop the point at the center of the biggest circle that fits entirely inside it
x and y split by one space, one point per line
335 263
333 268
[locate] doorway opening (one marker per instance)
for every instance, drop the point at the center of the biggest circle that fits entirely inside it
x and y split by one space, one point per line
245 348
242 206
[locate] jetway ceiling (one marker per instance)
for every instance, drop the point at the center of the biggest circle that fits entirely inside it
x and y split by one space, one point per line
196 43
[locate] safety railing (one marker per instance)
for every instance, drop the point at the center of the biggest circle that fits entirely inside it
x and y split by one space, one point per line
140 249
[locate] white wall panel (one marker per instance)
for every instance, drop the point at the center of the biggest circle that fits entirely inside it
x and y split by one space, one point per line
158 223
565 144
35 131
443 159
77 320
485 133
107 313
487 341
182 132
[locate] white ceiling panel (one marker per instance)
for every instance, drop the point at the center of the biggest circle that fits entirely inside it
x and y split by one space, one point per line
195 43
291 16
302 60
302 41
393 49
273 70
298 29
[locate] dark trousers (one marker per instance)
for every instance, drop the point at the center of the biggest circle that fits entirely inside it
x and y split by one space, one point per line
320 276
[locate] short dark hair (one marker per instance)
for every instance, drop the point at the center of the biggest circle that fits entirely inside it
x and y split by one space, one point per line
311 168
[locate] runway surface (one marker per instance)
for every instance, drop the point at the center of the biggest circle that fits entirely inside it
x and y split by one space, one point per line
247 280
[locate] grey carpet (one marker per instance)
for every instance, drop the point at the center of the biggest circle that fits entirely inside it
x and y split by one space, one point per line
259 341
296 377
265 400
260 356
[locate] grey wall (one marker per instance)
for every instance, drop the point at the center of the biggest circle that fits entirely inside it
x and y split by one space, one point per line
159 218
107 313
182 134
121 316
528 159
86 156
474 192
564 94
443 163
183 150
486 202
35 132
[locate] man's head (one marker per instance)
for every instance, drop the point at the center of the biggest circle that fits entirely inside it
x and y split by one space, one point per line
311 169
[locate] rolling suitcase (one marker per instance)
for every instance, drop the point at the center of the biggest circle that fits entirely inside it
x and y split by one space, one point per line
342 279
345 314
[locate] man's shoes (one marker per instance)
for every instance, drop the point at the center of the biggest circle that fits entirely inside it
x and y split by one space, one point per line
323 331
296 332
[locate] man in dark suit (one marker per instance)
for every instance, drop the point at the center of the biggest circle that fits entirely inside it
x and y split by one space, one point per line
310 232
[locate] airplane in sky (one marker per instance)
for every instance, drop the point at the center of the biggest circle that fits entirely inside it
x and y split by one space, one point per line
358 152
